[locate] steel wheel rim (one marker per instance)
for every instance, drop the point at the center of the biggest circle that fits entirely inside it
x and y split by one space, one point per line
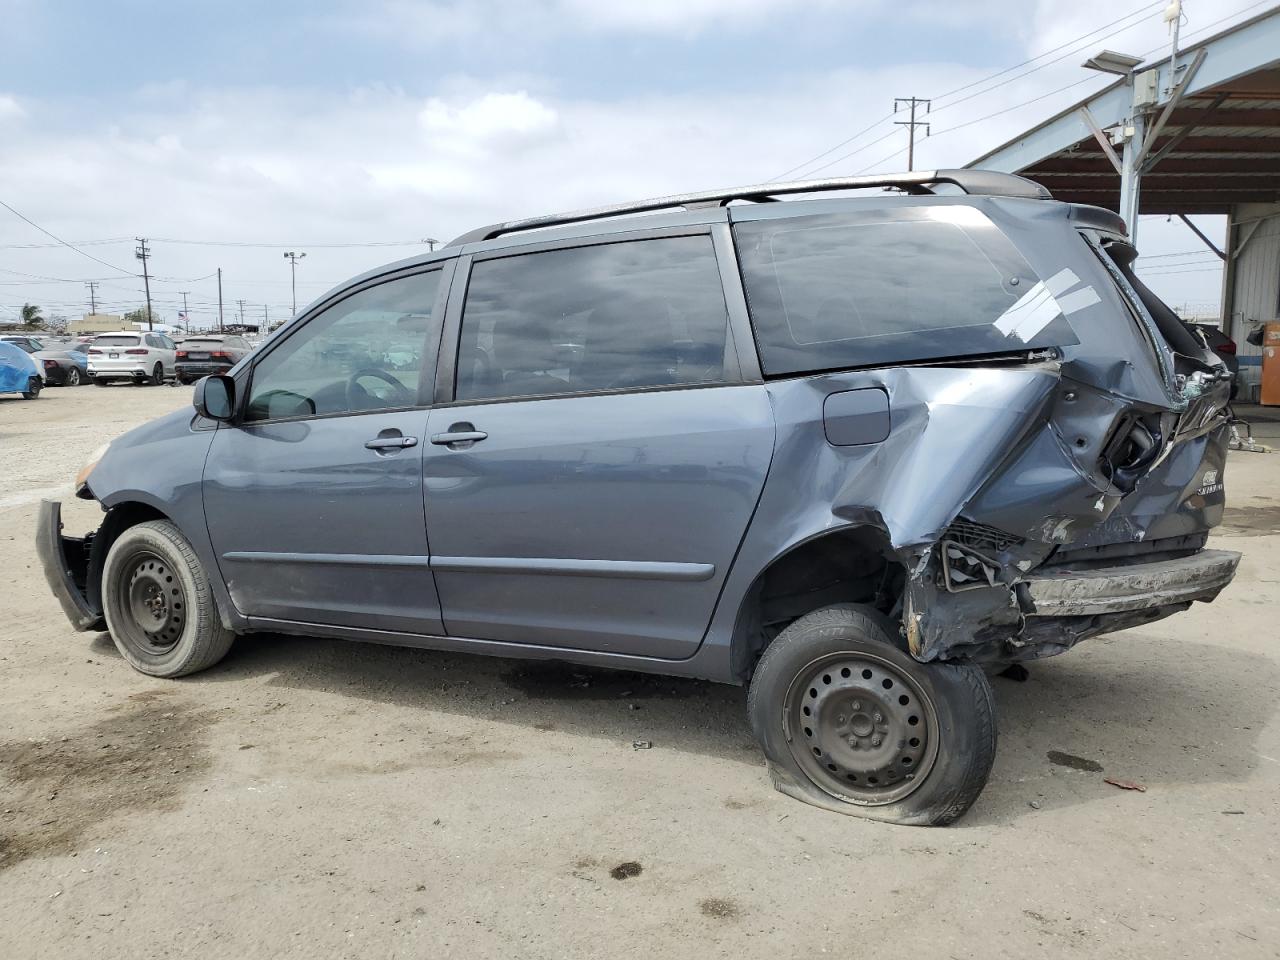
73 377
153 602
849 718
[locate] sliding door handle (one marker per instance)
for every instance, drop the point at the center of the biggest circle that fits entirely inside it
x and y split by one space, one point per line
458 436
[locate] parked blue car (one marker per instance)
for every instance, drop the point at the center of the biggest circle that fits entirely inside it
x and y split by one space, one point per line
847 450
18 373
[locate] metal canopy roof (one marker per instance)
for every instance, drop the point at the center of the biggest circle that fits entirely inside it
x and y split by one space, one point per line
1219 145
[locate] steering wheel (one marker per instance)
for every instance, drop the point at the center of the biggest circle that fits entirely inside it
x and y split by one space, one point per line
402 396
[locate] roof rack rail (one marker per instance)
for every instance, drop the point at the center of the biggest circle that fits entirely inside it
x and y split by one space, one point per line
987 183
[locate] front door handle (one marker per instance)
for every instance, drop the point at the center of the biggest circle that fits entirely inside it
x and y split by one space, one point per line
461 434
390 443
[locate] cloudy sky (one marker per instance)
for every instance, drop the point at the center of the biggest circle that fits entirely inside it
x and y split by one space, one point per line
230 132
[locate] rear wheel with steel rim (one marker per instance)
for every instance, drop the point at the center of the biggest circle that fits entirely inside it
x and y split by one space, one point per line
73 377
867 732
850 721
158 605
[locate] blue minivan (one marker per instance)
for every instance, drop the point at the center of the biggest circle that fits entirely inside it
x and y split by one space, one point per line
850 449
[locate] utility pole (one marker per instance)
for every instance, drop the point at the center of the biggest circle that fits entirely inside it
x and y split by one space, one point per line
219 299
241 314
266 324
93 296
185 315
142 253
914 103
293 259
431 243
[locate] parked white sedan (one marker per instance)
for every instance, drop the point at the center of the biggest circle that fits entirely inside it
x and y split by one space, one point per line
131 355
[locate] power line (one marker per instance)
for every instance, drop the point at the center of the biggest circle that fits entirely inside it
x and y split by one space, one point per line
1049 63
254 243
1024 103
1016 106
63 242
1063 46
78 243
960 89
864 130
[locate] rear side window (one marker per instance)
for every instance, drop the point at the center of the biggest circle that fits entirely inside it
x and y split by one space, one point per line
846 290
116 341
614 316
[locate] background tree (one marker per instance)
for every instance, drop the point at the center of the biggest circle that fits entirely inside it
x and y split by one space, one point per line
138 316
31 316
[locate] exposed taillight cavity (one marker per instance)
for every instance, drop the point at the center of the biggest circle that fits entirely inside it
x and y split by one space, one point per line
1227 347
137 352
1131 449
50 364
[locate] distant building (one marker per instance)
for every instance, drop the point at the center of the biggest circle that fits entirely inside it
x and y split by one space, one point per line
95 323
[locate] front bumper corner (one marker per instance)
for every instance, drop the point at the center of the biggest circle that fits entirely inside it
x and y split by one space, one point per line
65 561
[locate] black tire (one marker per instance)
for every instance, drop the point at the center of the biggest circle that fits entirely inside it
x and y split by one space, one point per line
34 386
72 379
157 375
914 743
158 605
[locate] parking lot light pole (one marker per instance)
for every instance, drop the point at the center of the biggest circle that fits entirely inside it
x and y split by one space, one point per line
293 259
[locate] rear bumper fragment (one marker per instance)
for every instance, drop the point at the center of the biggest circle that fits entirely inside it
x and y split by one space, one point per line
65 559
1073 593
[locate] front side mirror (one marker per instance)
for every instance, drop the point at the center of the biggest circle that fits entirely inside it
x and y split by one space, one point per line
215 397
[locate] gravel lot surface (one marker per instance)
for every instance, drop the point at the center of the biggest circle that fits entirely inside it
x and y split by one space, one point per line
315 798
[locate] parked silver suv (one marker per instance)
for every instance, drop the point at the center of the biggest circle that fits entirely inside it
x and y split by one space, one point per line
845 449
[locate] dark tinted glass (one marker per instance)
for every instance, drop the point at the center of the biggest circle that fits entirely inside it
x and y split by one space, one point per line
837 290
614 316
366 352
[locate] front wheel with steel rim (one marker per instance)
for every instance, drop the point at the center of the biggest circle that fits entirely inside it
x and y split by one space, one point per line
851 722
158 605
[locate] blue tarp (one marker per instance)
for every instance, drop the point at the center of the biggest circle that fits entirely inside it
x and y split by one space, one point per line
16 368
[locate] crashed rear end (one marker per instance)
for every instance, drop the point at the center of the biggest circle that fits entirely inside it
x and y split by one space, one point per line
1042 448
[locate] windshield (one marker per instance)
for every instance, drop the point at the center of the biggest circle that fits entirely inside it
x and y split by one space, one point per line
873 287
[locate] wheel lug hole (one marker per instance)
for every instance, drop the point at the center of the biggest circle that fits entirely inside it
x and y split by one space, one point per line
875 742
879 718
857 705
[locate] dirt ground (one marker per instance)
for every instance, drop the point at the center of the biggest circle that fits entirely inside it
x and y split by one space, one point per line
315 798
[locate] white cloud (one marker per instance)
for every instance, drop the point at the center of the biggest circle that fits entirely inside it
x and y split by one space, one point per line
494 116
10 108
